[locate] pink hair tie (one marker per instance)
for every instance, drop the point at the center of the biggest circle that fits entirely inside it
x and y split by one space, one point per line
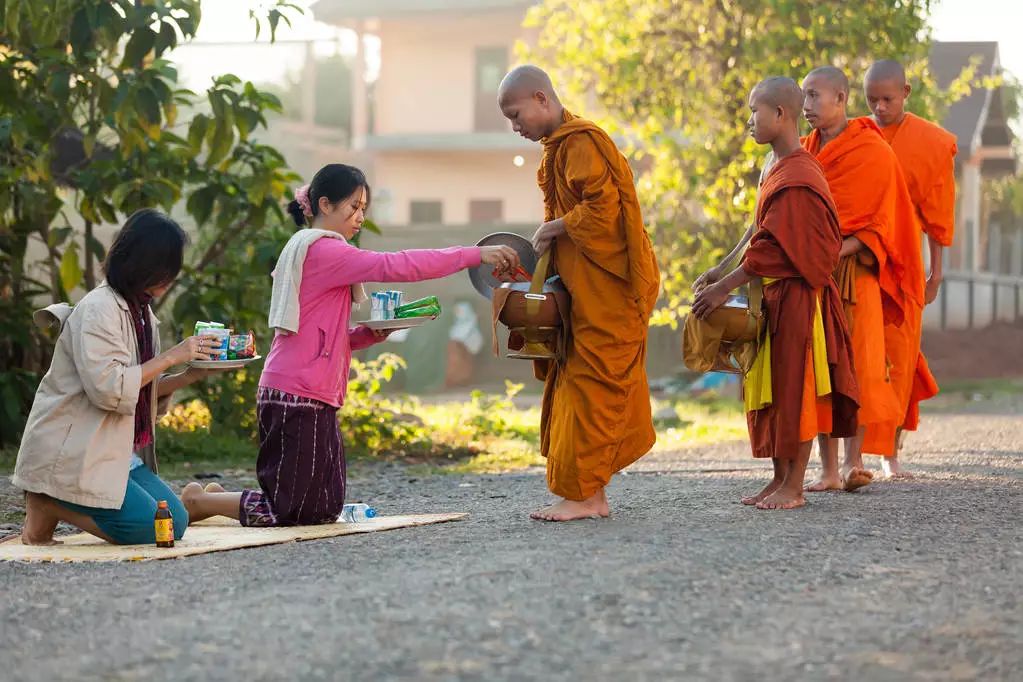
302 197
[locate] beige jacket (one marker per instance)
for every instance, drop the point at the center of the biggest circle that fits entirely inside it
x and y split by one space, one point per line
78 439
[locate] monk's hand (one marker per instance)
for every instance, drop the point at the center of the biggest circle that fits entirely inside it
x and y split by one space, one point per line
933 287
709 299
545 236
710 277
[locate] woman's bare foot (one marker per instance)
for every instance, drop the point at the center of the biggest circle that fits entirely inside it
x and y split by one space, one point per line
824 484
214 487
856 478
40 520
771 486
592 507
783 498
191 497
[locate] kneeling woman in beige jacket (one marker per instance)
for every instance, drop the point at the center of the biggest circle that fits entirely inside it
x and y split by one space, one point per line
87 456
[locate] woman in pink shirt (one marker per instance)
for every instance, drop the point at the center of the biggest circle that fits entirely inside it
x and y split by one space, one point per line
301 463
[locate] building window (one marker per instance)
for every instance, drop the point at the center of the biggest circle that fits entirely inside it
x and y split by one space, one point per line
425 211
491 65
486 211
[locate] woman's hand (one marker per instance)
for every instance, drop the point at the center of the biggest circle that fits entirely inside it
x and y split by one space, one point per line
505 260
192 348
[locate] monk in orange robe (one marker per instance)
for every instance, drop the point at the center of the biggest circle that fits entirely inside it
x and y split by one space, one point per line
595 418
870 193
804 360
926 154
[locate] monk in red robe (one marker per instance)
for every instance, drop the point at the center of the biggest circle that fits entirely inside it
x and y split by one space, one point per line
926 154
595 419
870 193
801 383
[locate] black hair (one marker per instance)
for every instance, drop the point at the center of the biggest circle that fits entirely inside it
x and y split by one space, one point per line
337 182
147 252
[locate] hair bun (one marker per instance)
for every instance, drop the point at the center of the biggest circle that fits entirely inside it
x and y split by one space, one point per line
297 213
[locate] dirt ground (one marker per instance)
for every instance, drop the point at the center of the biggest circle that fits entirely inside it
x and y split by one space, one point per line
911 580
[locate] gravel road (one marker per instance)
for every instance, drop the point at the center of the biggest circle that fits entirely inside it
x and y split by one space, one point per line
913 580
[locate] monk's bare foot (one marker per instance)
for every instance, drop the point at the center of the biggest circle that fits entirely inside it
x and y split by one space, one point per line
891 467
824 484
40 521
569 510
215 488
783 498
773 485
857 478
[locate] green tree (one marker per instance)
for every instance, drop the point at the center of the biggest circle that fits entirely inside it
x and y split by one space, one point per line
92 127
672 77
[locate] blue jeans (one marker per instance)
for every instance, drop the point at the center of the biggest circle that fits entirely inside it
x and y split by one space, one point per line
132 524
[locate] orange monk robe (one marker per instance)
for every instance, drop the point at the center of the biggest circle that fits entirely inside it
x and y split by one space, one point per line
926 153
870 194
596 416
797 243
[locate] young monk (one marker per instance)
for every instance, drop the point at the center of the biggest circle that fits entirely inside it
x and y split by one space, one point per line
926 154
870 193
595 418
802 382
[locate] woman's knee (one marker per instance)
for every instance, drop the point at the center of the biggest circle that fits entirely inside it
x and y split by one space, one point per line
137 526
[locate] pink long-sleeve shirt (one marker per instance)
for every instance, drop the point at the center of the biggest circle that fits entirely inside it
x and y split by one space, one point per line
314 363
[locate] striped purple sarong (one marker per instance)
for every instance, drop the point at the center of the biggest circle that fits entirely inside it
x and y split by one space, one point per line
301 464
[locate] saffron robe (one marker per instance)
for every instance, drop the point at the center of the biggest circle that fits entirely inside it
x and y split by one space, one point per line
872 201
926 153
596 417
795 249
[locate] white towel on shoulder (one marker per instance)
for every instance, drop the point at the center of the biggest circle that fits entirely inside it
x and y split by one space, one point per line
287 276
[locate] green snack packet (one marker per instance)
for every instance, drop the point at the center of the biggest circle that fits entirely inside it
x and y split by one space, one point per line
425 311
415 305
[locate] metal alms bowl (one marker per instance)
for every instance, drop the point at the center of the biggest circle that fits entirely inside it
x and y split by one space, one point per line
481 276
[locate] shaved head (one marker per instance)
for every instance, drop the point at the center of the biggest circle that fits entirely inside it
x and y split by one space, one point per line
831 75
825 98
526 97
886 90
887 70
779 91
525 81
775 104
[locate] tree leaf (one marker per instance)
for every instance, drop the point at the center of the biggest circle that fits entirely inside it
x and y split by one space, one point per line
197 131
58 236
148 105
81 32
70 271
96 247
139 45
166 39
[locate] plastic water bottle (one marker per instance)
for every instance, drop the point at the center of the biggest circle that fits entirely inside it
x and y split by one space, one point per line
357 513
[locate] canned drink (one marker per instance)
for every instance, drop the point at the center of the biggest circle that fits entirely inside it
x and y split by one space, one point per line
223 337
378 302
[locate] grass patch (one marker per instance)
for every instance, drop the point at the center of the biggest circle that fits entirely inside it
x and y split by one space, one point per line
698 421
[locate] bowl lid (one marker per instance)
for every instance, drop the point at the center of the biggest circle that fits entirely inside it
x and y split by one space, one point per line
480 276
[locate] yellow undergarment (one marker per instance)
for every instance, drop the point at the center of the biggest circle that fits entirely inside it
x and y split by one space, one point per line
757 382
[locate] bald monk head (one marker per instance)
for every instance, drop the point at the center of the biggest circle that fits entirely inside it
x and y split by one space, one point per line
825 98
527 99
886 90
775 107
